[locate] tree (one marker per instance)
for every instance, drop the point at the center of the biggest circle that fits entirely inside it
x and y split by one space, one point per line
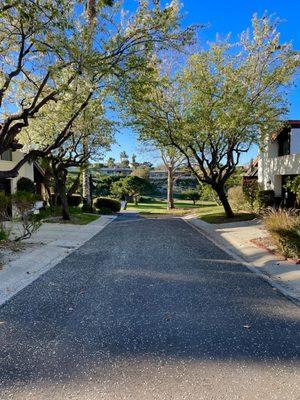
227 98
50 40
172 160
111 162
133 159
124 161
93 127
33 72
131 186
92 7
192 194
104 183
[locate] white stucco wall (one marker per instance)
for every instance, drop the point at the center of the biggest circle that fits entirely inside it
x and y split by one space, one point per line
25 171
270 170
272 167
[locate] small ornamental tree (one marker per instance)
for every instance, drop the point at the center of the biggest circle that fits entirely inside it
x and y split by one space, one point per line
132 186
192 194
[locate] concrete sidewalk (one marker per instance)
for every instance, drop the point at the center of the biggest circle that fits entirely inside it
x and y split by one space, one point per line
46 248
235 238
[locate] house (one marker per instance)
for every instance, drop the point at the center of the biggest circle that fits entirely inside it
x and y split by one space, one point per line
30 170
279 161
251 170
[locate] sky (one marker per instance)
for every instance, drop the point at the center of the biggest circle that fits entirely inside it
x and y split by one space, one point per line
223 17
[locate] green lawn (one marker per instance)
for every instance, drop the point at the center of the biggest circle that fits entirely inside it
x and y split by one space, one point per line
207 211
182 207
77 216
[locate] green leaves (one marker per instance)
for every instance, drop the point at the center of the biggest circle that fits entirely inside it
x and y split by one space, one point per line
226 98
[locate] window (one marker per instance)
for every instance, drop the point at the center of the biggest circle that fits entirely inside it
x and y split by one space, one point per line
283 140
6 155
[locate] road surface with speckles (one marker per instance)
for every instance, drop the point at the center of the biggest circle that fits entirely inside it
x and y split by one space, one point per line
149 309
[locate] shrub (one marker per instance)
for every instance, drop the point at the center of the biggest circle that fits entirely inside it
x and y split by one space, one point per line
236 197
284 228
293 184
147 200
102 203
23 203
266 198
86 208
105 211
74 200
5 204
250 190
25 185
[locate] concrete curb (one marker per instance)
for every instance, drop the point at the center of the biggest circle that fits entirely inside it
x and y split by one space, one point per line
209 232
30 265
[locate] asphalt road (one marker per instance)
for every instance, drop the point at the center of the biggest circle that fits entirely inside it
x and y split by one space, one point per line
149 309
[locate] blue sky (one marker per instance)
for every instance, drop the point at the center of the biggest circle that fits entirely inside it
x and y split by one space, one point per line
223 17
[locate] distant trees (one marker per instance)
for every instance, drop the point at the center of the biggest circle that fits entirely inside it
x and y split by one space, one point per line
111 162
124 160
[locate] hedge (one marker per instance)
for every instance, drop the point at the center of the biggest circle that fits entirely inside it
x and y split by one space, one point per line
105 204
74 200
25 185
266 198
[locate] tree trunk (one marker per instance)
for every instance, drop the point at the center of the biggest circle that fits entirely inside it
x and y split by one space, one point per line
225 203
136 203
86 193
63 195
170 194
86 186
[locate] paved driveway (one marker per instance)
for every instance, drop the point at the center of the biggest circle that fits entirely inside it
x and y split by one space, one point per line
149 309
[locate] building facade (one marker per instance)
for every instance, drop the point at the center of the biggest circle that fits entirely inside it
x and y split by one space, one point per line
281 160
29 170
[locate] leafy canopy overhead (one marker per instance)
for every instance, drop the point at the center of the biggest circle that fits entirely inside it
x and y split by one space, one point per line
46 47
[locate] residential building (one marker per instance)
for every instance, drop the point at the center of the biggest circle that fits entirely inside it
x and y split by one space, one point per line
33 171
115 171
280 160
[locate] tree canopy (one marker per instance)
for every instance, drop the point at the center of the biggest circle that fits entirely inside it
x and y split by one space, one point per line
225 99
44 53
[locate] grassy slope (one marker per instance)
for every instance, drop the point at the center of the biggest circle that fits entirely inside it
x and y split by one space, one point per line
205 210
